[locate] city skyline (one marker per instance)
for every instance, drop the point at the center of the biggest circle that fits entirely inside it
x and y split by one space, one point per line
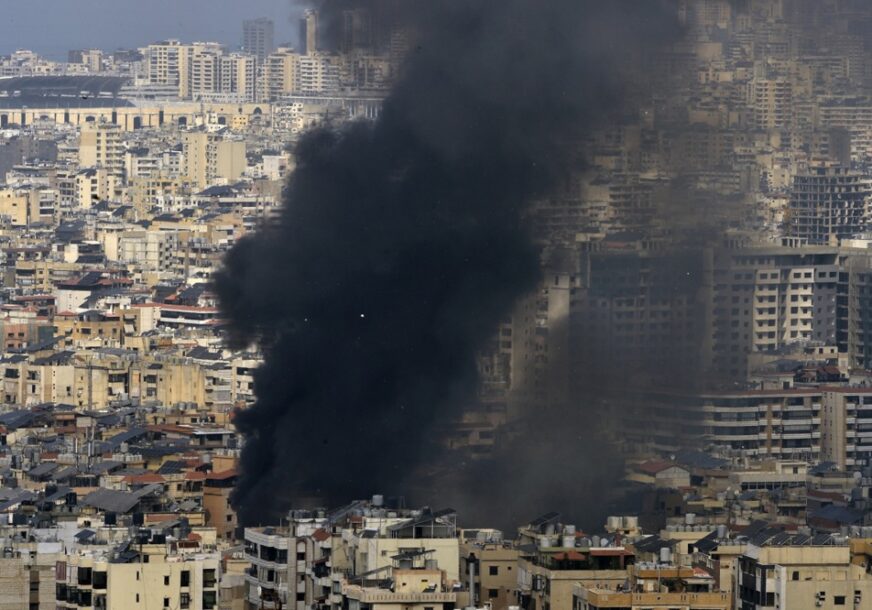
54 27
457 304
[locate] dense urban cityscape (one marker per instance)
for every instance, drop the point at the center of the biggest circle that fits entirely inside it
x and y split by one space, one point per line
675 413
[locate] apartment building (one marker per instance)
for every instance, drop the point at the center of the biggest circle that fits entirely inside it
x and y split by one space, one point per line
156 577
20 206
27 574
828 203
330 560
279 74
414 588
554 558
258 37
488 564
166 63
766 299
772 102
237 77
799 571
656 586
212 158
203 64
101 146
317 73
146 250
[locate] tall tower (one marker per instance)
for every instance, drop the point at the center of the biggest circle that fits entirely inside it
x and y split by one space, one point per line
309 32
257 37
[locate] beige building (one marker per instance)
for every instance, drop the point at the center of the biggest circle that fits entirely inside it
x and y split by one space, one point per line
162 580
147 250
238 77
801 573
27 575
145 192
317 73
216 502
492 567
546 579
212 158
165 63
101 146
279 75
201 63
414 589
21 207
87 187
650 587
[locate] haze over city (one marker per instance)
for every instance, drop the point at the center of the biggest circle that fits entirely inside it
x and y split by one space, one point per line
53 27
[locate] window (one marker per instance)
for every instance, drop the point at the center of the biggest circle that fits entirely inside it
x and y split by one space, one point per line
839 600
184 600
99 580
166 581
186 578
137 598
166 602
492 593
493 570
795 575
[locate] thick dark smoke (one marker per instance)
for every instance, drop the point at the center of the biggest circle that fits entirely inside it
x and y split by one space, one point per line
402 243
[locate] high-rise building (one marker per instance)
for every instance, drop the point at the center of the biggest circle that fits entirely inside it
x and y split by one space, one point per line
238 76
828 202
357 30
309 32
203 67
316 73
257 37
279 74
211 158
100 146
163 62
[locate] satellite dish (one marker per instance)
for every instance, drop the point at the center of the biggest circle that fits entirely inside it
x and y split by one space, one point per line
259 591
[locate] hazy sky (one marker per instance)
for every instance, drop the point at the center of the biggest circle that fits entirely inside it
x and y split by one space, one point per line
52 27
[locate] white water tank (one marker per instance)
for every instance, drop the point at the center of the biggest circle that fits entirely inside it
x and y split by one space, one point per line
631 523
690 519
665 555
569 541
614 523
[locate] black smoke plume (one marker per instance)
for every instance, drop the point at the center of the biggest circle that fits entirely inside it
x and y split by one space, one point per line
403 243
